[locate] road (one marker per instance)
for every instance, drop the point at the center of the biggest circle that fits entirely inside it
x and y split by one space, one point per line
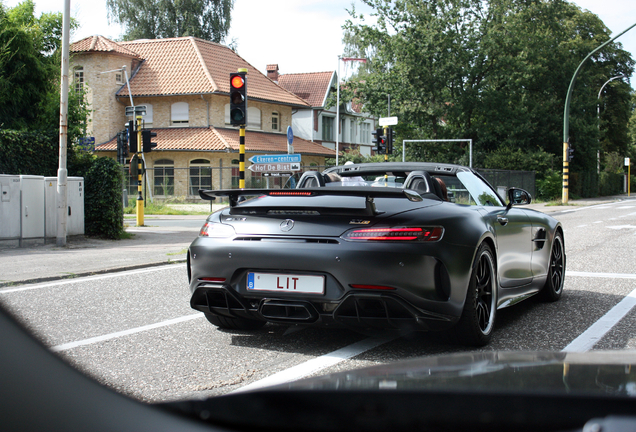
135 332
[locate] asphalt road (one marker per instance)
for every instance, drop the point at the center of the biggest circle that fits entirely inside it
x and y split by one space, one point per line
135 332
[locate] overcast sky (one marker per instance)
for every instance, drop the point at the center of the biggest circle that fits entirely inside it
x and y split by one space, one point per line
303 35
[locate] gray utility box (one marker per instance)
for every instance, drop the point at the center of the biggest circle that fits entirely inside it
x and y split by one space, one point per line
9 207
74 202
22 208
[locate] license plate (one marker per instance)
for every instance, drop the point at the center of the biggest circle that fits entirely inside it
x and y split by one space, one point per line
286 283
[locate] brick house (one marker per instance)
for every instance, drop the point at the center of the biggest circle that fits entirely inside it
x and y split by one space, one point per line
317 122
184 83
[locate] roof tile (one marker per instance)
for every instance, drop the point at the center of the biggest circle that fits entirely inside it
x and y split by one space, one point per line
312 87
222 139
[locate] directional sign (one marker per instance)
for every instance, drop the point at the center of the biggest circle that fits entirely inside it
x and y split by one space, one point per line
388 121
273 159
274 167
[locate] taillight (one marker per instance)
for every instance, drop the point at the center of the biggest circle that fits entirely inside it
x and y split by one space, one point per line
426 234
212 279
217 230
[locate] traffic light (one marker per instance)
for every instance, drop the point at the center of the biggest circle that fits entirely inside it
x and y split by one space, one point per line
122 147
570 153
132 137
390 137
379 140
146 136
238 99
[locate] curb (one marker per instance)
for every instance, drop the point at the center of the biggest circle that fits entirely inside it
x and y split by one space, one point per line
91 273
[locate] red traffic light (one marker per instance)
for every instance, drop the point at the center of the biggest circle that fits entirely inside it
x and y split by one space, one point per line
237 82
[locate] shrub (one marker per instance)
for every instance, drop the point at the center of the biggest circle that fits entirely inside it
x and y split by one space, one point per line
550 186
103 213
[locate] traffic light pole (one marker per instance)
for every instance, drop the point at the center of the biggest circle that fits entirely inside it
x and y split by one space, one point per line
242 157
140 198
566 174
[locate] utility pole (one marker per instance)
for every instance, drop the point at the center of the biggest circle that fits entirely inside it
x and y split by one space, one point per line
62 172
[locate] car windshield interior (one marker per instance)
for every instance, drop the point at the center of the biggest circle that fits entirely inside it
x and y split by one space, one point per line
464 188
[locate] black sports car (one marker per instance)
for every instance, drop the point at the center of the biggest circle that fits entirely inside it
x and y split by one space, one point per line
419 246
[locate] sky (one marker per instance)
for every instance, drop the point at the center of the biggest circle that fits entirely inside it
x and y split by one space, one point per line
303 35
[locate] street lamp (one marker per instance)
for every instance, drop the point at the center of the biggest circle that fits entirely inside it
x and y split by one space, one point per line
566 117
345 59
598 117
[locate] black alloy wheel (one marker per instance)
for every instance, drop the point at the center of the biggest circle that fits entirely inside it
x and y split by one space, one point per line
478 318
553 288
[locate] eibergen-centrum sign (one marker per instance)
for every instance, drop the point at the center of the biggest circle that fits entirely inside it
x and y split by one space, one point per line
273 159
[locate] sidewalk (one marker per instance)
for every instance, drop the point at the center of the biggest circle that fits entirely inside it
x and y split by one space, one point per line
150 246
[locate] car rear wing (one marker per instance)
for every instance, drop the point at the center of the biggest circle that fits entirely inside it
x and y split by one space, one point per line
302 198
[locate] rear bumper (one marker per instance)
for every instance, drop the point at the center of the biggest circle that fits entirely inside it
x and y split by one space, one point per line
357 310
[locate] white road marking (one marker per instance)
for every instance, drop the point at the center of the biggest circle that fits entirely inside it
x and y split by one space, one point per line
598 221
618 227
596 331
580 226
624 207
89 278
601 275
96 339
319 363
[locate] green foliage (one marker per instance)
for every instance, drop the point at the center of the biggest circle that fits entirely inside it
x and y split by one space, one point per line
518 160
28 153
495 71
550 187
154 19
30 72
103 213
610 183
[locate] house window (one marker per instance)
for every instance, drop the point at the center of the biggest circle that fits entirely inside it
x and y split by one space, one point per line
327 128
119 79
235 177
180 114
365 132
200 176
163 178
275 124
253 118
79 79
352 131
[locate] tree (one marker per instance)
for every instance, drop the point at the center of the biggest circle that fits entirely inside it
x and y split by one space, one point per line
495 71
30 72
154 19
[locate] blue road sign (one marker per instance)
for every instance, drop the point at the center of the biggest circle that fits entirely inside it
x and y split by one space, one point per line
279 158
290 135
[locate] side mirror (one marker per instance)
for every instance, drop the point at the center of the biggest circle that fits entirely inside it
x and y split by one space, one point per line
518 197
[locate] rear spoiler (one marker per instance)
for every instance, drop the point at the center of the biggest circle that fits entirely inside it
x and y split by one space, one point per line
369 193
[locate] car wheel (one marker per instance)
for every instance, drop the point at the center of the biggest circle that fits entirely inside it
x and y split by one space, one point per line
553 287
234 323
478 317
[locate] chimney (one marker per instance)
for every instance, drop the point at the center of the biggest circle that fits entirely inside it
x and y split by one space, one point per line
272 72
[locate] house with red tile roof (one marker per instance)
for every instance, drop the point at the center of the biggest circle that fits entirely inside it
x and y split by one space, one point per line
318 123
184 84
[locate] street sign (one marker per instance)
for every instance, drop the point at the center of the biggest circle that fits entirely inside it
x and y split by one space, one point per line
139 110
274 167
273 159
388 121
626 161
290 140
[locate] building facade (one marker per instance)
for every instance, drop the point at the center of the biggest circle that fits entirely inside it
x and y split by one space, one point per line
184 84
